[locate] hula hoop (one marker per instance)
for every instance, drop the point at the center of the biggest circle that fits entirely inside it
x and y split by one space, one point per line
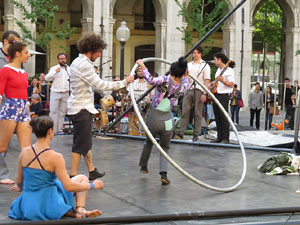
170 160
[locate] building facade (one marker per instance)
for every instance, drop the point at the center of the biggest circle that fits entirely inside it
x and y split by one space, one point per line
153 25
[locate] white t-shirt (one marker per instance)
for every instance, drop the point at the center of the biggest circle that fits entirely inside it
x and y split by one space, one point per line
194 70
229 77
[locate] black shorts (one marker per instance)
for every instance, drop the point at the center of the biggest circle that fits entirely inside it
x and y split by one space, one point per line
82 132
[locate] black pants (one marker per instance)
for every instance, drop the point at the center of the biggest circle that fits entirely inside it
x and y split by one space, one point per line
290 116
221 121
257 121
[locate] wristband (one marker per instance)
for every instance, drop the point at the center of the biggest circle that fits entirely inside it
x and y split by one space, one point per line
92 186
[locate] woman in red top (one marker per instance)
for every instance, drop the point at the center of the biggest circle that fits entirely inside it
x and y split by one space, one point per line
14 115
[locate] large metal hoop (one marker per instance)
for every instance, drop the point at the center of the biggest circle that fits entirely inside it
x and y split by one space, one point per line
171 161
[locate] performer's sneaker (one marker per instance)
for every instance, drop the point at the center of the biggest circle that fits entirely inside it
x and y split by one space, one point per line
195 138
164 179
96 174
144 169
177 136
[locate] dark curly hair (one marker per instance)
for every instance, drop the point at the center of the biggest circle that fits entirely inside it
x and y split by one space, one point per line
90 42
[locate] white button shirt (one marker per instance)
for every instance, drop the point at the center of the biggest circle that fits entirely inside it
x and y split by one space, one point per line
83 81
196 68
228 76
59 80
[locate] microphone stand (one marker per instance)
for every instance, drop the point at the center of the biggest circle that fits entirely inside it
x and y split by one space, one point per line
69 130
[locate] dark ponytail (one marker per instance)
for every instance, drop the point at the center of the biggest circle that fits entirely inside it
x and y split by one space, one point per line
179 67
224 59
40 125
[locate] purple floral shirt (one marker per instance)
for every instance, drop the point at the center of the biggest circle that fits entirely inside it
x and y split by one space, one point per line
159 95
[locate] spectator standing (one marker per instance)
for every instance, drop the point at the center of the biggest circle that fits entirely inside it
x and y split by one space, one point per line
269 104
256 103
235 96
288 101
59 75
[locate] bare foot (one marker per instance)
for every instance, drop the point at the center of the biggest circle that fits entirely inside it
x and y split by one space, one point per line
6 181
82 213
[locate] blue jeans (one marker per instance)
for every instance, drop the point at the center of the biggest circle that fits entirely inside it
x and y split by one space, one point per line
235 110
269 119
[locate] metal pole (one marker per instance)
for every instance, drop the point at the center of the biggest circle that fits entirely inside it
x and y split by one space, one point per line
242 51
122 60
101 57
198 215
266 96
296 149
185 56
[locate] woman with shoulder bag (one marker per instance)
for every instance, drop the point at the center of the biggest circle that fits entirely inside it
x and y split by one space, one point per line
269 108
235 103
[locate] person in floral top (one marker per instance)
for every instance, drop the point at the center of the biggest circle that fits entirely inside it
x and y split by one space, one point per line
159 121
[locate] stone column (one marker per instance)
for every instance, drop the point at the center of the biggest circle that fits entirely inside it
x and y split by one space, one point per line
160 45
229 39
87 24
292 63
175 46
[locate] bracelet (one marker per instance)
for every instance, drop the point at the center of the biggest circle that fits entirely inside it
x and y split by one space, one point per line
92 186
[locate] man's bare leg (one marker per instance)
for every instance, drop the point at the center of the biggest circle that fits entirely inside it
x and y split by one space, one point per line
88 158
75 163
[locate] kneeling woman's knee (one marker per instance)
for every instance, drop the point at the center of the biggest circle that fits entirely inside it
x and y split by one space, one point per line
83 178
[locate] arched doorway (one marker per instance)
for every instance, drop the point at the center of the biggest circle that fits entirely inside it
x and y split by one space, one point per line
286 54
140 16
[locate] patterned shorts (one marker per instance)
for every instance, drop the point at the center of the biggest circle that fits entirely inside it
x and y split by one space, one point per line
15 110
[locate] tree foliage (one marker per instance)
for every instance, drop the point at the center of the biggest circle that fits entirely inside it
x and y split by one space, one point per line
268 25
42 13
201 16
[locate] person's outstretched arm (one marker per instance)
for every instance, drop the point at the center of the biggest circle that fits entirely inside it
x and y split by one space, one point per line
63 176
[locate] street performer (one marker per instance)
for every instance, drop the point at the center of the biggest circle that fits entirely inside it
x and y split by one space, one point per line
83 80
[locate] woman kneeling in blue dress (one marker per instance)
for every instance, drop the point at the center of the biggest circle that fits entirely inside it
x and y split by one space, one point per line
49 193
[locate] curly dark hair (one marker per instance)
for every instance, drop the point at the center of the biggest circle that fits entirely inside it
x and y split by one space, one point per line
90 42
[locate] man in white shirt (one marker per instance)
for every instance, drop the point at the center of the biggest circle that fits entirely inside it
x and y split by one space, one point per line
81 107
59 75
225 81
196 96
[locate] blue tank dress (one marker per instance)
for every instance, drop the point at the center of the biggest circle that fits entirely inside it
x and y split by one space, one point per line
43 197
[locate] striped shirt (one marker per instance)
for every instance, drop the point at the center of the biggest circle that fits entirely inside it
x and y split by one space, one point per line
83 82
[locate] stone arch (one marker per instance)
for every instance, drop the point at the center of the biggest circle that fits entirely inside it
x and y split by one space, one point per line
87 8
76 12
290 63
290 16
159 5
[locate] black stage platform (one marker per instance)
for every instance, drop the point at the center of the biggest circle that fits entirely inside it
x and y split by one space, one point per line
129 193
